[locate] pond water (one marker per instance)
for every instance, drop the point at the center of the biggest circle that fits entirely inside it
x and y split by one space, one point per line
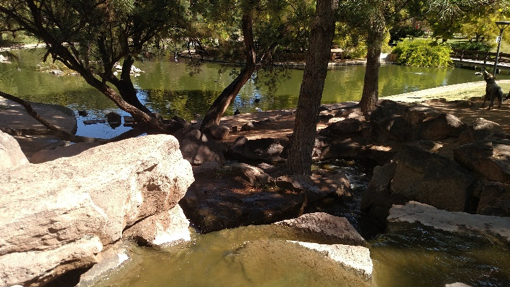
167 88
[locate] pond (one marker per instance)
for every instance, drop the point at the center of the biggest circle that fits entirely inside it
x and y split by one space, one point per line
168 89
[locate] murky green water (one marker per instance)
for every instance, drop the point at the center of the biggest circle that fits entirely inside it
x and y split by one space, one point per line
168 89
408 255
245 256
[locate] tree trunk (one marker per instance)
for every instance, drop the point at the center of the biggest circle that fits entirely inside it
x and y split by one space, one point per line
221 104
126 88
370 94
312 86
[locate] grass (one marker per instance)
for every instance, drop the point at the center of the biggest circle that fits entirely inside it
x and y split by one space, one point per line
450 93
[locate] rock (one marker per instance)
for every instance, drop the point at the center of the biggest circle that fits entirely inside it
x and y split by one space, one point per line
415 115
439 128
494 199
198 147
84 203
458 222
316 187
61 151
11 155
489 159
114 119
323 225
206 167
303 267
254 175
217 202
378 198
356 258
108 261
248 126
479 130
169 227
457 284
263 150
218 132
344 127
36 268
388 123
432 179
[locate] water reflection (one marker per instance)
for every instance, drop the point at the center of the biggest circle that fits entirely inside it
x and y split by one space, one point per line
169 89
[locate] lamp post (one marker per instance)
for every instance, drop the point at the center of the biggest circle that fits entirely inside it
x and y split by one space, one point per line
502 25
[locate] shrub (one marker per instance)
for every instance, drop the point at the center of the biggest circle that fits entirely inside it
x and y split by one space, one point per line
476 46
423 53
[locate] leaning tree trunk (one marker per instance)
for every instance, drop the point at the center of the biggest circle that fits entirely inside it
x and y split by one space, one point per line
221 104
371 84
312 86
126 88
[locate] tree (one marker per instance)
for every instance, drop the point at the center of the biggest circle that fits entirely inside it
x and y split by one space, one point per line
92 36
307 113
251 32
379 15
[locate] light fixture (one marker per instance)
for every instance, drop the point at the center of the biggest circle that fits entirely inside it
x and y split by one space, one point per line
502 25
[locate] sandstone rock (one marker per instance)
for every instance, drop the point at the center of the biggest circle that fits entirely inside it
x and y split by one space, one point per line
378 198
264 150
356 258
218 132
35 268
170 227
109 260
198 147
439 128
432 179
494 199
317 186
303 266
489 159
479 129
53 206
254 175
344 127
60 151
451 221
320 224
11 155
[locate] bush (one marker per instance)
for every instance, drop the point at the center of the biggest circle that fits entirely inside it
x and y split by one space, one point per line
423 53
476 46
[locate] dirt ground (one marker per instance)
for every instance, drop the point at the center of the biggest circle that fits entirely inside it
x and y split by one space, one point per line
280 124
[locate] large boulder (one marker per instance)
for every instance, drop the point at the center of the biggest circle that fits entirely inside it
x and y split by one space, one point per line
11 155
489 159
61 151
262 150
198 147
432 179
69 209
494 199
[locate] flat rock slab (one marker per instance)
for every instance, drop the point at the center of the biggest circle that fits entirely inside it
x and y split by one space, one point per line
323 224
458 222
356 258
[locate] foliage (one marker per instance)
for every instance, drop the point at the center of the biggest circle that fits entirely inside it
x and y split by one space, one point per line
401 32
423 53
471 45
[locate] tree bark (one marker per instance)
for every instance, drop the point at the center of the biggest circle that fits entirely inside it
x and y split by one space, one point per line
221 104
370 94
126 88
312 86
